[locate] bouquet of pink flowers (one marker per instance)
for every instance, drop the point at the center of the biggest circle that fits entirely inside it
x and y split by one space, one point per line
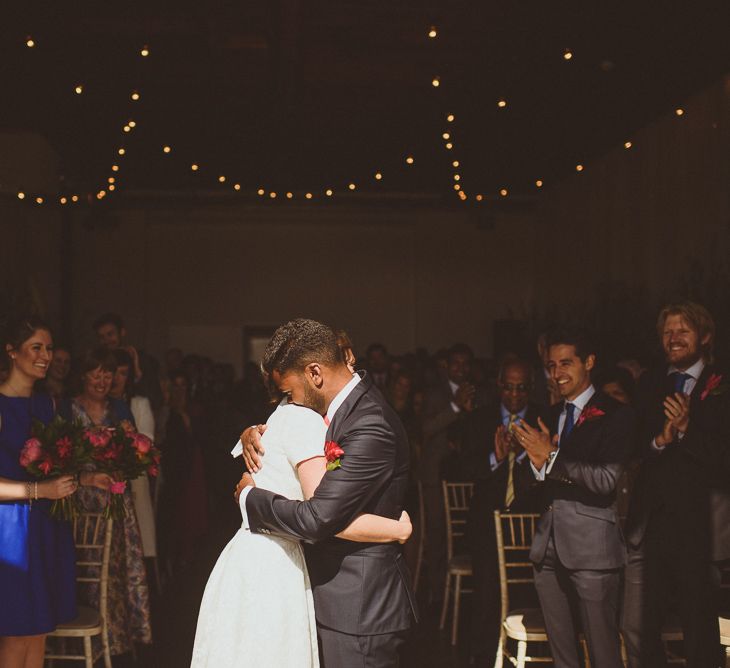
123 453
56 448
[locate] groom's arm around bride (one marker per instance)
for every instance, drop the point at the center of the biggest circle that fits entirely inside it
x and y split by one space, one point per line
363 598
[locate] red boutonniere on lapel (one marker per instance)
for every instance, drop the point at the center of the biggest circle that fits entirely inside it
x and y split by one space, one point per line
713 386
590 413
333 454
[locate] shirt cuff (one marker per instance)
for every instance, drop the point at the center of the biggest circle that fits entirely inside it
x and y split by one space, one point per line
237 449
540 475
242 504
455 408
493 463
655 447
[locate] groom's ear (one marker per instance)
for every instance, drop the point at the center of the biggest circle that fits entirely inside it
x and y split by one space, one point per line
313 374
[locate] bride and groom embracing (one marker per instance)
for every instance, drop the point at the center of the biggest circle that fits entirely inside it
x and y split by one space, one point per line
260 601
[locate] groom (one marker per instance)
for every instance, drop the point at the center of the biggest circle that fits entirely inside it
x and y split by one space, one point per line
362 593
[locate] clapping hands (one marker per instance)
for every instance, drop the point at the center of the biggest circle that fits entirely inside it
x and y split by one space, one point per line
536 442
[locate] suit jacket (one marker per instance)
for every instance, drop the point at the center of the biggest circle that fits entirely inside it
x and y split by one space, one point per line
580 490
359 588
688 479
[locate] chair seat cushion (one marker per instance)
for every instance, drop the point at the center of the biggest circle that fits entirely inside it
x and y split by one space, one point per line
525 622
87 619
460 564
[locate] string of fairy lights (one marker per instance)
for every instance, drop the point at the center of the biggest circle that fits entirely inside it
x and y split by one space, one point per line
111 183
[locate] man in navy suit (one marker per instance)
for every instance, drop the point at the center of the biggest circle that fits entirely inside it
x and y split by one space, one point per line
578 550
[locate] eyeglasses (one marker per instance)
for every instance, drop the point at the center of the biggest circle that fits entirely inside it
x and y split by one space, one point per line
520 388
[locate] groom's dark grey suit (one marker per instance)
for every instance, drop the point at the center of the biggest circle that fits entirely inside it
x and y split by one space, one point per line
362 593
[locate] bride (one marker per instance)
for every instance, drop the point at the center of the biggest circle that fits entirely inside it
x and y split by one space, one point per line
258 601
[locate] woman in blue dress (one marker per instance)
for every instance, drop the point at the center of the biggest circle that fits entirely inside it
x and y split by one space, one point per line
37 556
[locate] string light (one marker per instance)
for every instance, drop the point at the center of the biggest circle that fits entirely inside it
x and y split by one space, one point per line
39 200
446 135
378 176
308 195
79 89
261 192
449 146
272 195
450 118
112 187
63 200
328 192
679 111
457 177
236 186
74 198
479 198
289 195
504 192
436 82
132 124
30 42
628 144
111 179
433 32
145 51
579 168
115 168
455 163
221 179
352 186
194 167
166 149
409 160
457 186
538 183
21 195
121 151
135 96
462 195
502 103
126 128
567 54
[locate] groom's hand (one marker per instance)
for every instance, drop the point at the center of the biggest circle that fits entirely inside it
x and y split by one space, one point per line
252 448
245 481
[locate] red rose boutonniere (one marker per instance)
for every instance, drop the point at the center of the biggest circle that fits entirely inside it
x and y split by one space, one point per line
713 386
333 453
590 413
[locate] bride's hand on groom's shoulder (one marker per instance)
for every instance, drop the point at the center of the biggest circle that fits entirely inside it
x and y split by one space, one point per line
252 448
407 528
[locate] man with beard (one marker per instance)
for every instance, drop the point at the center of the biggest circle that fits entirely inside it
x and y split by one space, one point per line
678 527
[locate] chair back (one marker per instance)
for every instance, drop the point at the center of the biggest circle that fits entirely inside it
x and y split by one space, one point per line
514 538
93 538
457 496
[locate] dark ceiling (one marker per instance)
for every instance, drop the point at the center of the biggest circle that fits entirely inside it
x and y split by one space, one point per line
303 96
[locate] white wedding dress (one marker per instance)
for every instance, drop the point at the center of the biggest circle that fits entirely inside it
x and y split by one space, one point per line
257 609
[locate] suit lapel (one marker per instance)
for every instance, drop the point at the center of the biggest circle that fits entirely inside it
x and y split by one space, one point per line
695 399
334 432
584 428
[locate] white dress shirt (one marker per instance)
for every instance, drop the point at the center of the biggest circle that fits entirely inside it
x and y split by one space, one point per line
331 410
580 402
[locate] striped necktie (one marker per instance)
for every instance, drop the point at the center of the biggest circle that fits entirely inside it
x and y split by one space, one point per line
509 494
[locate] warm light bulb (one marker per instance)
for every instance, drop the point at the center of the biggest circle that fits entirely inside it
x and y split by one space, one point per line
567 54
289 195
579 168
457 186
63 200
457 177
446 135
126 128
502 104
272 195
352 186
74 198
436 82
30 43
462 196
135 95
21 195
166 149
308 195
538 183
111 179
112 187
679 112
236 186
79 89
221 179
479 198
261 191
121 151
194 167
378 176
145 51
132 124
449 146
328 192
433 32
455 163
450 118
115 168
39 200
627 144
409 160
504 192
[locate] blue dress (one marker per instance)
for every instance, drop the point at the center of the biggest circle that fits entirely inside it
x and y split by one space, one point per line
37 553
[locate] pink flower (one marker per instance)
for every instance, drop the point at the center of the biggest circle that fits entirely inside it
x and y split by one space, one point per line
99 438
712 384
590 413
142 443
333 452
46 465
32 451
153 470
118 487
63 447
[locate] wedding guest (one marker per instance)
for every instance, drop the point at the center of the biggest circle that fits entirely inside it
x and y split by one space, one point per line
500 468
183 511
144 420
377 364
345 343
37 554
678 527
55 383
112 334
445 404
578 550
128 618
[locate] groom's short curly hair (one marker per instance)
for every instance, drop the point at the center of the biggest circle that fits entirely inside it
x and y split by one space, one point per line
298 343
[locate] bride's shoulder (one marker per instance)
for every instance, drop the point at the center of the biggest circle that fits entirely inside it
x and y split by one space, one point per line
299 417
